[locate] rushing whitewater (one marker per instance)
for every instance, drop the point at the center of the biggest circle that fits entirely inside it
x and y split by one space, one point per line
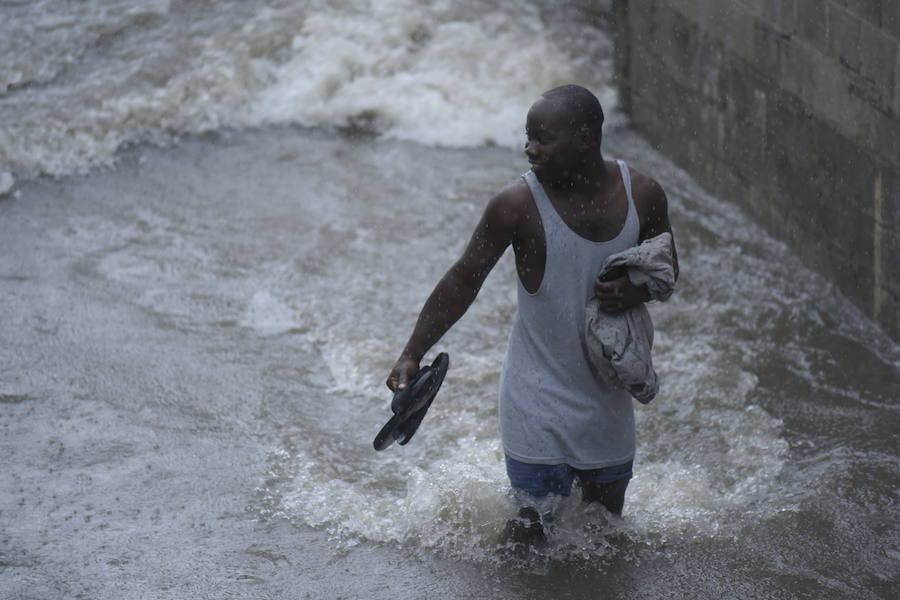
78 81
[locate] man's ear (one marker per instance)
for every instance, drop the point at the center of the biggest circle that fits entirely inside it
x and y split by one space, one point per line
584 138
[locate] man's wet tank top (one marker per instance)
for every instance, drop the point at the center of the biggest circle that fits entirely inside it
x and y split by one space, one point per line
553 409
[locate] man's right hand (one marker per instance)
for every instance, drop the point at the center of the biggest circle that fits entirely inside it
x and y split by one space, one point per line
403 371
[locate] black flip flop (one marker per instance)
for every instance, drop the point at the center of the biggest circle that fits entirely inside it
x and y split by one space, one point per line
411 404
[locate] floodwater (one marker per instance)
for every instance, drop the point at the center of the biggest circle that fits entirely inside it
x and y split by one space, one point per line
193 341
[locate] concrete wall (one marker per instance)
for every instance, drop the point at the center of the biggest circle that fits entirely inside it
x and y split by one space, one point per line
790 107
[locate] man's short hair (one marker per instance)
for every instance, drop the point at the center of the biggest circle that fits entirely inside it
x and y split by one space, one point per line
582 105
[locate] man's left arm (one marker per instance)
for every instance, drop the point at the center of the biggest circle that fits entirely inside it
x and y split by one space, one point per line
650 197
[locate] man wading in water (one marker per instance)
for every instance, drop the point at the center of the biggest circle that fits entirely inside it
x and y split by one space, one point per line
558 420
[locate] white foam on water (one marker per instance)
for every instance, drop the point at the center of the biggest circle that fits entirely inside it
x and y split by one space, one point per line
7 181
42 38
454 504
82 84
268 315
442 73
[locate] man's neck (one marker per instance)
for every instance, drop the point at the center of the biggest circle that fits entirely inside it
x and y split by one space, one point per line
589 177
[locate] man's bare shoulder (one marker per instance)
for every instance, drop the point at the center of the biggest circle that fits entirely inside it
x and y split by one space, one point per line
651 204
510 205
646 190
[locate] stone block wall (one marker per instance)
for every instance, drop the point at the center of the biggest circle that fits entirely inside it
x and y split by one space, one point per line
789 107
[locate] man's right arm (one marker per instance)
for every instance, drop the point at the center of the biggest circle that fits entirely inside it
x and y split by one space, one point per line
456 291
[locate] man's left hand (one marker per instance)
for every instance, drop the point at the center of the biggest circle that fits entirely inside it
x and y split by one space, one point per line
619 294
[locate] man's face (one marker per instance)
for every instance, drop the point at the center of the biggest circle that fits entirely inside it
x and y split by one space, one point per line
550 145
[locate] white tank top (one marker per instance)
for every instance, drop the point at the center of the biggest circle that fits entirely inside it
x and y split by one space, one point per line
554 409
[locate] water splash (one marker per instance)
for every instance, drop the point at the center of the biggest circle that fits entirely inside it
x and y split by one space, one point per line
82 82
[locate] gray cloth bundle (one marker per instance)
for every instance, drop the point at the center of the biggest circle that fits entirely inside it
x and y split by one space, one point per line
619 344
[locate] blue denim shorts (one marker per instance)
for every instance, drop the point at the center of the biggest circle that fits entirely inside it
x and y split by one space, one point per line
541 480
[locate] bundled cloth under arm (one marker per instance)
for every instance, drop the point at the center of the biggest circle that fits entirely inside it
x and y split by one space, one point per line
619 343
